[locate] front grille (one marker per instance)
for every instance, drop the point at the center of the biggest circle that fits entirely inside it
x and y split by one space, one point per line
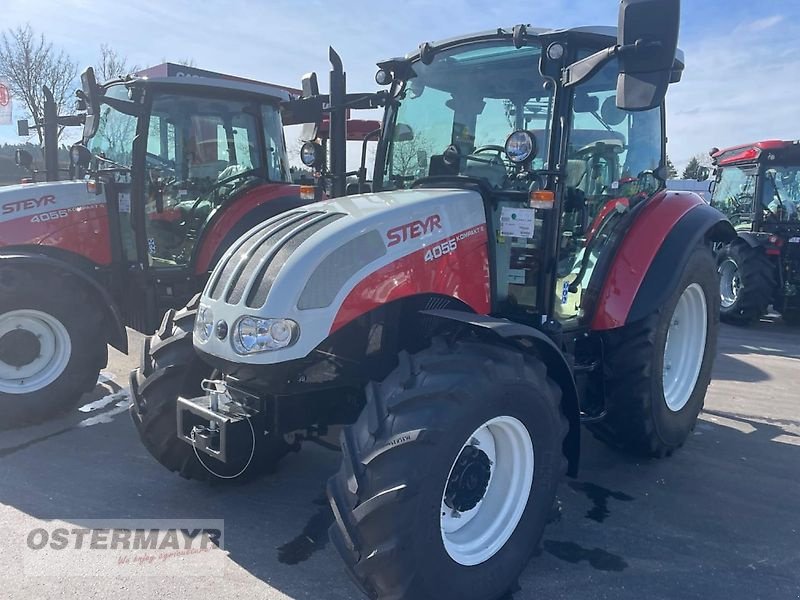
250 270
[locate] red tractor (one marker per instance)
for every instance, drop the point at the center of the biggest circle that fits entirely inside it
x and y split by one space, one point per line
175 164
459 321
758 187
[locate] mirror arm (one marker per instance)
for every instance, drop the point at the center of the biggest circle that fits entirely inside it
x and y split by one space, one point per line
586 68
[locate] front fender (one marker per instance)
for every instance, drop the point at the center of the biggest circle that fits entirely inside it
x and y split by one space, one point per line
557 366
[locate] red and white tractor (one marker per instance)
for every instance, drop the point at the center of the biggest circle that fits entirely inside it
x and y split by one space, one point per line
518 269
175 164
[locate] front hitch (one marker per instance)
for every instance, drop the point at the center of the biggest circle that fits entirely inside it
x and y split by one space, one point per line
219 423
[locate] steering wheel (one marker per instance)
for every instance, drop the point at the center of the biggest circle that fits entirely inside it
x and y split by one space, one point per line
741 202
500 159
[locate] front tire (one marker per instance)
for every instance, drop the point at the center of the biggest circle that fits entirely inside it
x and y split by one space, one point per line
171 369
52 345
746 283
449 474
657 370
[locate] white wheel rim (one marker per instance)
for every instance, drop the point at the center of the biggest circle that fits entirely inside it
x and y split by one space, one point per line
474 536
685 347
53 357
730 283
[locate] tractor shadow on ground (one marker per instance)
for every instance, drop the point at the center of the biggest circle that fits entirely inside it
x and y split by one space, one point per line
721 504
729 368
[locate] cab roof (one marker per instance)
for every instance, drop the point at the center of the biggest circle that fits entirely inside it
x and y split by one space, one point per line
603 33
192 77
751 152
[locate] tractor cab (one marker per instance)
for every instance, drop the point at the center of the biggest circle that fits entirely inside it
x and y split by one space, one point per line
758 187
174 151
560 154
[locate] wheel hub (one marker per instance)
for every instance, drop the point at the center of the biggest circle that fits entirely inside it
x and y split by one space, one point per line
35 349
730 283
469 480
19 347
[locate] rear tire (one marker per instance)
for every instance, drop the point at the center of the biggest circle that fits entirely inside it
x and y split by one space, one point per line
747 283
52 345
398 500
657 370
171 369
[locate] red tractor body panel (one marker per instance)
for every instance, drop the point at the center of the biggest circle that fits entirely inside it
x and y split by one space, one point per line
462 274
636 253
64 215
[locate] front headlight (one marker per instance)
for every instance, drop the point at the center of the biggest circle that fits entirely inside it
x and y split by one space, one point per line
204 324
252 334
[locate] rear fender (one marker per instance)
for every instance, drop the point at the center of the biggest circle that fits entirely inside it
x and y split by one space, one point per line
117 336
526 339
650 259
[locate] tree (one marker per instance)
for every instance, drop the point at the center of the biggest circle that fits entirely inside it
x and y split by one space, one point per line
672 172
29 62
112 64
692 169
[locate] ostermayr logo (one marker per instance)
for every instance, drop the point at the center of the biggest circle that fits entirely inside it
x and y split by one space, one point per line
125 546
124 539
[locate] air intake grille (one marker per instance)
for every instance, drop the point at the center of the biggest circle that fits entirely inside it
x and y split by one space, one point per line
250 271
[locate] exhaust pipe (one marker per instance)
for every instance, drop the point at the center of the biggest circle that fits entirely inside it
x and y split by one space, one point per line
338 127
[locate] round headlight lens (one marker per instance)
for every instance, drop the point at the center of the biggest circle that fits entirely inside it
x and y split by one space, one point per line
309 153
520 147
204 323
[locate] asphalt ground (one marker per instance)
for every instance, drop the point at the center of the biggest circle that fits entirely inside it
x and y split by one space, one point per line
718 520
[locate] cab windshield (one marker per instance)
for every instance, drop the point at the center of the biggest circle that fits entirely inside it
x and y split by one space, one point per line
472 97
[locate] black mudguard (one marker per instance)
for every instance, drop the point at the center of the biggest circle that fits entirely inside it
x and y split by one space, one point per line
557 365
703 224
117 336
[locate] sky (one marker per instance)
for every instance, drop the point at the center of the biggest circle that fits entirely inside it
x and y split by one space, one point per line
742 61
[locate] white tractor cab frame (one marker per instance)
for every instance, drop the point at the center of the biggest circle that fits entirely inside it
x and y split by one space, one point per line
518 269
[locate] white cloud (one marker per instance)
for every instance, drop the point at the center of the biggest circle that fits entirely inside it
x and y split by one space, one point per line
761 24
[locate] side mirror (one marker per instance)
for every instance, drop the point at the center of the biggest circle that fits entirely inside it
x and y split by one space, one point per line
79 160
310 85
703 173
23 129
403 133
23 159
647 43
89 93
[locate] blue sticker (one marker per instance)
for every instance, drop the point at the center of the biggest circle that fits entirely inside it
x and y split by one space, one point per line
565 293
151 246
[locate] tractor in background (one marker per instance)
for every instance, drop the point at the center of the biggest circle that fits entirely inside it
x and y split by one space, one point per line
758 187
175 163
